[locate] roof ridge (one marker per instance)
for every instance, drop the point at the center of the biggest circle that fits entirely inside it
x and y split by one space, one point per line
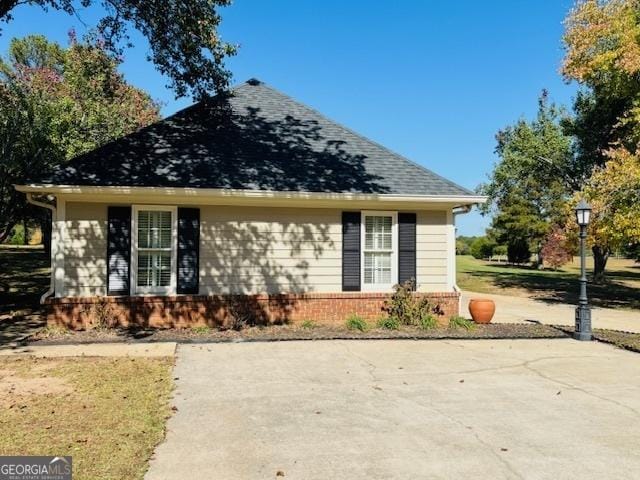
356 134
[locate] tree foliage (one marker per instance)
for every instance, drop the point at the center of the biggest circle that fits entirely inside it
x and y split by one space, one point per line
602 43
482 247
183 39
556 249
529 184
56 103
614 194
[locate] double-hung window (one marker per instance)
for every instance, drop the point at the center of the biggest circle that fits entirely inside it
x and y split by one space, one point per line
154 249
379 252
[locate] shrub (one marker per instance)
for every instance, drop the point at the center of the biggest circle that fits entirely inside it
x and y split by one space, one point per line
555 250
201 329
406 307
308 324
389 323
460 322
355 322
428 322
482 247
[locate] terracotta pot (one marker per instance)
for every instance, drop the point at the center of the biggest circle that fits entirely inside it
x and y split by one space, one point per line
482 309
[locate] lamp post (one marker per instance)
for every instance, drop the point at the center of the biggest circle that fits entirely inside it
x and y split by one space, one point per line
583 312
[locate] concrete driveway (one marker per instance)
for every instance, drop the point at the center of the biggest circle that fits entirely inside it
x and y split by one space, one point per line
530 409
510 309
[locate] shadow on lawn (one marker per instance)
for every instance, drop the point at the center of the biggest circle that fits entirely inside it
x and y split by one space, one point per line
24 277
563 287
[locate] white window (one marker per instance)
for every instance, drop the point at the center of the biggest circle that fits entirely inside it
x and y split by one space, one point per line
154 242
379 250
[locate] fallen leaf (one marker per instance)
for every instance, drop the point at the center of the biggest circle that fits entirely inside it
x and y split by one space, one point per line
279 473
504 449
462 381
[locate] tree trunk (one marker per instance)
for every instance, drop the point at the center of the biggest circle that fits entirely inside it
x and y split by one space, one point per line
600 257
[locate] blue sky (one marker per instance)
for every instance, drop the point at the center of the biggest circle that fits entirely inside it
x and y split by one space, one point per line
431 80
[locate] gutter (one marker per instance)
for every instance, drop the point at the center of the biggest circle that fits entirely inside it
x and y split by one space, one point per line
48 206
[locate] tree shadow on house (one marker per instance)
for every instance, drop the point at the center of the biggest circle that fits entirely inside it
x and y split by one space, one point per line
221 144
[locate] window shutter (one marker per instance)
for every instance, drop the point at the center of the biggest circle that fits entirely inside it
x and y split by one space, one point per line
188 250
351 251
118 250
406 247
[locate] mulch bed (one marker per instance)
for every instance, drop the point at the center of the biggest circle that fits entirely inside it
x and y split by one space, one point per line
625 340
288 333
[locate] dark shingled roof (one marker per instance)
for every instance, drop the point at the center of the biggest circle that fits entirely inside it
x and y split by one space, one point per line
254 138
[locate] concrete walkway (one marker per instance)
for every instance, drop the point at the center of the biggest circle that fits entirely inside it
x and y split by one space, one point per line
498 409
160 349
510 309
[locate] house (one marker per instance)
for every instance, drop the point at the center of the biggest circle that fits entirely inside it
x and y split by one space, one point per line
247 205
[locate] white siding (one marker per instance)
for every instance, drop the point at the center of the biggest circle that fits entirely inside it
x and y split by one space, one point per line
431 251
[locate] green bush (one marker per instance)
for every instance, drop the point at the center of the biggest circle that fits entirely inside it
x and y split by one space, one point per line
355 322
201 330
17 236
460 322
406 307
308 324
389 323
482 247
428 322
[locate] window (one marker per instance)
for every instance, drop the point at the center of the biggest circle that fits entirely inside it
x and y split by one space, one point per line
379 250
154 249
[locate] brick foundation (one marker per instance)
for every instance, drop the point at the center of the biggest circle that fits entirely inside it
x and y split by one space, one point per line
219 310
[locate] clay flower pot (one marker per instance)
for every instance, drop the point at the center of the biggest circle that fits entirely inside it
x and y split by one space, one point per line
482 309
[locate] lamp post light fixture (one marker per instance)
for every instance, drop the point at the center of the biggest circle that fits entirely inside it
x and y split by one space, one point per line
583 312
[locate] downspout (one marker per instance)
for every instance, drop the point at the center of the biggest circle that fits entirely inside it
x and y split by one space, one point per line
48 206
458 211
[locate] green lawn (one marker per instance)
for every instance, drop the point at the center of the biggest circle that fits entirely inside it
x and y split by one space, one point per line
621 290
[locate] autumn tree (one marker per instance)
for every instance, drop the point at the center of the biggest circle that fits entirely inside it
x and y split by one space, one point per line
602 43
57 103
614 193
556 249
183 36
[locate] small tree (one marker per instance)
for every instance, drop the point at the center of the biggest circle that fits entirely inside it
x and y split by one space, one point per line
555 249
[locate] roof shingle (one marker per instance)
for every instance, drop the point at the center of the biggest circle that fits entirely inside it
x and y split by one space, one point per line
255 138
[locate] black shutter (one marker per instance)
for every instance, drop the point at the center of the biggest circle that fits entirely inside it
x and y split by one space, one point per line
406 247
188 250
351 251
118 250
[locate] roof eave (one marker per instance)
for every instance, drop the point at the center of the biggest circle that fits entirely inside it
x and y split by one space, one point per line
245 193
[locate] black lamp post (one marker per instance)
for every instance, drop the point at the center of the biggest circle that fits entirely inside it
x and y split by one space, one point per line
583 312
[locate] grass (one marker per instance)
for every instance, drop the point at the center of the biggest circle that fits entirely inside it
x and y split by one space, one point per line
309 324
107 413
24 276
354 322
460 322
621 289
388 323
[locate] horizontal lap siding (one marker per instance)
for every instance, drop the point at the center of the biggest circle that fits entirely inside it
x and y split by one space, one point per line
275 250
252 250
431 251
85 249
